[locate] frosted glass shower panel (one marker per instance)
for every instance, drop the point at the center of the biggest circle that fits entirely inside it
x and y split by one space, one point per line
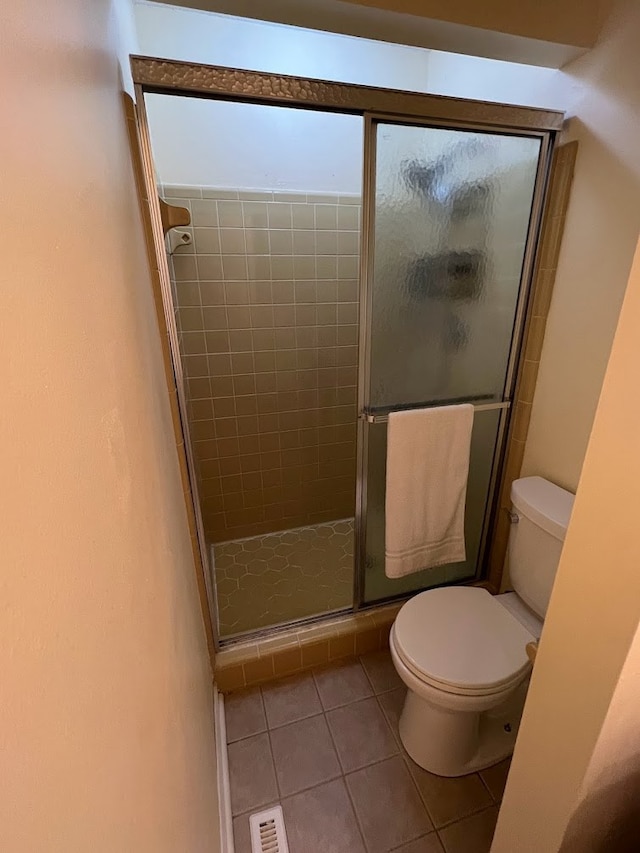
452 212
377 586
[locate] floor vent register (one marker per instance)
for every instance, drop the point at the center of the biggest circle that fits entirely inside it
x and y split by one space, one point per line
268 834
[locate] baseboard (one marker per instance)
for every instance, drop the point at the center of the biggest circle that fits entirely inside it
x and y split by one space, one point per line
222 762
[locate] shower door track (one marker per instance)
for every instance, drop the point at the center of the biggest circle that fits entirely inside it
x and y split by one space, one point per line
171 77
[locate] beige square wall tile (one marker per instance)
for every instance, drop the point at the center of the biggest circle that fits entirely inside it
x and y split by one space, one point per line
315 654
527 384
207 241
230 678
303 216
234 268
326 217
279 215
255 214
535 338
342 647
230 214
257 671
232 241
521 420
287 661
210 267
204 212
348 218
367 640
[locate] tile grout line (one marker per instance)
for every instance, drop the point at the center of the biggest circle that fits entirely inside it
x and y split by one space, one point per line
259 688
461 820
343 774
275 771
353 805
310 787
406 759
344 782
490 792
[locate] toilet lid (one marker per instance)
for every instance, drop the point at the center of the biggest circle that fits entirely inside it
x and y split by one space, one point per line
461 639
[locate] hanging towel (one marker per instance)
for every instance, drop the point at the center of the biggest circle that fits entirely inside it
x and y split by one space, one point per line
427 469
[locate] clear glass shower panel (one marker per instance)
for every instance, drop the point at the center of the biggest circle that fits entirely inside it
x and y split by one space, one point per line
265 295
377 585
452 212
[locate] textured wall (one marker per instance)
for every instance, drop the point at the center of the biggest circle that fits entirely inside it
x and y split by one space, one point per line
106 731
576 766
267 315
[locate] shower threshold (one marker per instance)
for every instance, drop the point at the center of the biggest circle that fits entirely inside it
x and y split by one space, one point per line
278 578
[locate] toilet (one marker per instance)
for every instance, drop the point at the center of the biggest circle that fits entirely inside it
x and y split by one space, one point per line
462 652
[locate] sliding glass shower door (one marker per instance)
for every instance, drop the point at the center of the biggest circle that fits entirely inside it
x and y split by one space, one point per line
279 352
449 215
265 298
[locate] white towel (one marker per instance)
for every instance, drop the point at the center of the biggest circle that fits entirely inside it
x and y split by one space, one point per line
427 470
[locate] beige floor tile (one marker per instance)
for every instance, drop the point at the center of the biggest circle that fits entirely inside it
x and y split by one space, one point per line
304 755
342 683
291 699
244 714
251 774
387 804
495 778
321 820
392 704
427 844
471 835
241 834
279 577
447 799
361 734
381 671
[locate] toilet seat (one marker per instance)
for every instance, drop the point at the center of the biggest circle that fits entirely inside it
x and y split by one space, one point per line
461 640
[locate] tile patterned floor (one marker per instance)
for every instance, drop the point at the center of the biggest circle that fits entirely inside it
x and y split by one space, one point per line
280 577
325 745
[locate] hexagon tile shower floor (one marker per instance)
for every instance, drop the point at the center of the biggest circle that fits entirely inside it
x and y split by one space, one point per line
279 577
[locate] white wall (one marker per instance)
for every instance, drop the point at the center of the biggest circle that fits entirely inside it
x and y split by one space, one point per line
106 731
253 147
600 94
248 146
172 32
575 773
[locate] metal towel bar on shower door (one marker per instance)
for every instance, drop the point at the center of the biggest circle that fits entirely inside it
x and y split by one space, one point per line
372 416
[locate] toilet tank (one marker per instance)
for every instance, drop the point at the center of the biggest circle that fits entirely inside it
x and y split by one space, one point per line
541 516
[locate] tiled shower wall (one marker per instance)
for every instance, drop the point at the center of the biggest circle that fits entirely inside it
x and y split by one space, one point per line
267 313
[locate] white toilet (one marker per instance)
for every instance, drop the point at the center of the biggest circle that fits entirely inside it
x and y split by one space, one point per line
461 651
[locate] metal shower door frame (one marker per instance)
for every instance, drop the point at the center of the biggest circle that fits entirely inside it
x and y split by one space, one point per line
171 77
372 120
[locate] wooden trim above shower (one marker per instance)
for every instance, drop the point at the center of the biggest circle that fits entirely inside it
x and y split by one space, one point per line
560 180
143 181
172 77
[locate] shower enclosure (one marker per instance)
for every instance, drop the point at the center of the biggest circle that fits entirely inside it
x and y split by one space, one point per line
351 252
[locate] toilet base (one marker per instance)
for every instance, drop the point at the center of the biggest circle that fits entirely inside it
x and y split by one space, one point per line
454 743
